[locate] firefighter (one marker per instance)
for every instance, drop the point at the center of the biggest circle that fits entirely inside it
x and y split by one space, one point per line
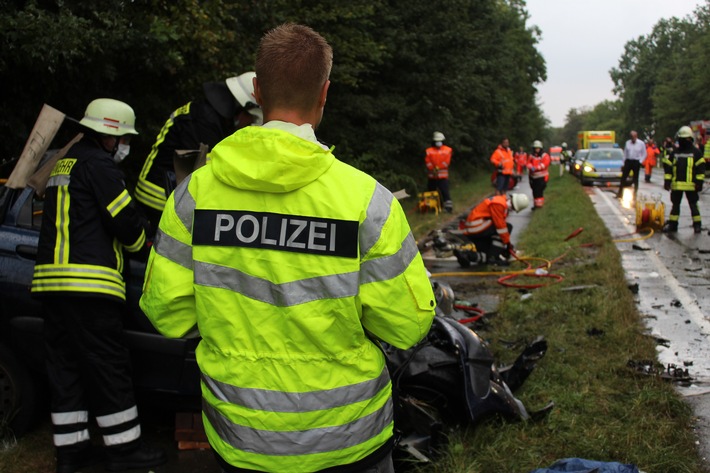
666 148
438 160
538 165
289 263
487 228
684 174
227 106
502 160
89 219
521 162
649 162
565 157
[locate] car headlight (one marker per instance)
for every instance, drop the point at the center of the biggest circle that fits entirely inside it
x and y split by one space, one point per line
588 168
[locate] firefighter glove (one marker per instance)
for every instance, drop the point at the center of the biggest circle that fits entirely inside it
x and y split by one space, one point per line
667 185
698 186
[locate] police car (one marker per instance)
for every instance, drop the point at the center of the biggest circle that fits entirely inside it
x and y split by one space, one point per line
602 165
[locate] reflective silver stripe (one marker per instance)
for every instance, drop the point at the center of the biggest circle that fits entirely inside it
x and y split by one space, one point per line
61 180
172 249
117 418
278 401
184 203
74 417
477 226
501 231
388 267
61 440
108 274
299 442
378 212
287 294
129 435
123 199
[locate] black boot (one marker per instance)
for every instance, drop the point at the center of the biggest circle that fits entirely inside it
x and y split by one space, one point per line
142 456
670 227
697 227
77 457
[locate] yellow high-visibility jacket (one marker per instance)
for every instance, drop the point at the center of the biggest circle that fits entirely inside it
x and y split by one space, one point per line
285 259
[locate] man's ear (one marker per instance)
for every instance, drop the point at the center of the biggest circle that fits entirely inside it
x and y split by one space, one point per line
323 94
257 91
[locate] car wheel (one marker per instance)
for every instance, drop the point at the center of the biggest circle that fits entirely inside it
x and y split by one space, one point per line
18 396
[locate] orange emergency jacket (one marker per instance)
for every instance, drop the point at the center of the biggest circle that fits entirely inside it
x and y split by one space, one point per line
521 161
492 211
538 165
652 152
437 162
502 159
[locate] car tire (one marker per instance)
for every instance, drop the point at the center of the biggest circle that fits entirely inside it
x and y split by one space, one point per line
18 395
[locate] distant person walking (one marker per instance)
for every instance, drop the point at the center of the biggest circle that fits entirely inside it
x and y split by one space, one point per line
538 170
649 163
634 154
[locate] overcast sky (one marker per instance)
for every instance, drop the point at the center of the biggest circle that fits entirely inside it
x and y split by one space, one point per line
583 39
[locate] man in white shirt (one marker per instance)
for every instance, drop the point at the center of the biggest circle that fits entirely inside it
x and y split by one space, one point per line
634 153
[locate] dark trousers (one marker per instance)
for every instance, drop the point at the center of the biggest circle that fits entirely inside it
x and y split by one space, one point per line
538 186
630 165
441 185
489 242
89 371
503 182
676 198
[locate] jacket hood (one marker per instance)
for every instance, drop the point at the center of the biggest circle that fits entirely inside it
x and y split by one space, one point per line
268 160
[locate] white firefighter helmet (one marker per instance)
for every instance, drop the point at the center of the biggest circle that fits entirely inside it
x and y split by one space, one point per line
685 132
438 136
519 201
110 117
242 87
564 144
537 144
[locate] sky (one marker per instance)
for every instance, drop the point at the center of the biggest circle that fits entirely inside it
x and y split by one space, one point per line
582 40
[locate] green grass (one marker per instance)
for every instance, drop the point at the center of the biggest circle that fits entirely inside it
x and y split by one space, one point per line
603 411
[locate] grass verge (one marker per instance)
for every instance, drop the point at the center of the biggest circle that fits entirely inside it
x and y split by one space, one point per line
604 411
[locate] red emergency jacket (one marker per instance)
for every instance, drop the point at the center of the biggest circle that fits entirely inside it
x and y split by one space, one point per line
521 161
437 162
652 153
538 165
492 211
502 159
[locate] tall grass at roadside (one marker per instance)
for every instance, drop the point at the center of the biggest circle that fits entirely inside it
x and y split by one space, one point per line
603 410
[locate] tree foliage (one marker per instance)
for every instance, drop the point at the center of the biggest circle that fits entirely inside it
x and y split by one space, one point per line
660 80
401 69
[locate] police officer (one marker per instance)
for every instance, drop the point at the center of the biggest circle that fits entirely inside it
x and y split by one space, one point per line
89 219
289 262
684 173
437 161
227 106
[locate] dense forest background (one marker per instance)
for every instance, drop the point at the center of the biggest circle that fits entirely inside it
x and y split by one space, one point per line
402 69
661 83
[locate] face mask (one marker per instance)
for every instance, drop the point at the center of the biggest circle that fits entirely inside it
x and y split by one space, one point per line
438 144
121 153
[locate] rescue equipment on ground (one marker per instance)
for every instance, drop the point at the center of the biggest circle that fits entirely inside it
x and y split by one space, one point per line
429 201
650 212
